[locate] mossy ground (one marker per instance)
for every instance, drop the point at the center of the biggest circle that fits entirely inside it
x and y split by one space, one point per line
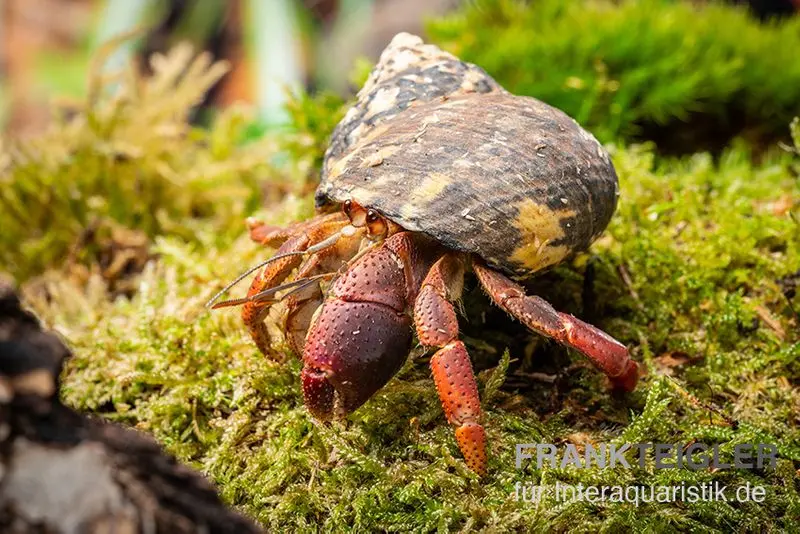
696 274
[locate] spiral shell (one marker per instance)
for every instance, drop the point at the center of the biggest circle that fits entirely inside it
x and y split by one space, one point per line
480 170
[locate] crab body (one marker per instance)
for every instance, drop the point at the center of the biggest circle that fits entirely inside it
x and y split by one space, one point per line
437 171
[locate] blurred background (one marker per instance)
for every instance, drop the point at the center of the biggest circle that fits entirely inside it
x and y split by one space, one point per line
273 45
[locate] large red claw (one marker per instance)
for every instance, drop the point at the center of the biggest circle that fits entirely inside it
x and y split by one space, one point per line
318 393
352 350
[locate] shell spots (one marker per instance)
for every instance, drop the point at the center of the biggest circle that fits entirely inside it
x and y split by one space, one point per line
431 186
463 163
540 227
408 72
378 157
507 167
340 166
385 98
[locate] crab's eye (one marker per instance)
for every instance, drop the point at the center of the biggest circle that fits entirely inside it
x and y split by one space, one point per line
376 225
347 206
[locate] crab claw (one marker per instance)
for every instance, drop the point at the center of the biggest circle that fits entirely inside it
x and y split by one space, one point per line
352 350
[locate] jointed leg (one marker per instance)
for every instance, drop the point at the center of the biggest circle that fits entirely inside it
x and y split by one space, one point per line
302 307
275 236
437 326
306 235
537 314
253 313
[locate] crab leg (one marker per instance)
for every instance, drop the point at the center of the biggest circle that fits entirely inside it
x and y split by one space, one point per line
274 236
437 326
253 313
265 234
272 274
302 307
607 353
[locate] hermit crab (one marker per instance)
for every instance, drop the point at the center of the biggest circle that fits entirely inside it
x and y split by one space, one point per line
435 171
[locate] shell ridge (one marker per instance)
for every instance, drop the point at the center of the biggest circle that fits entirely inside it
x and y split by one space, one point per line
505 177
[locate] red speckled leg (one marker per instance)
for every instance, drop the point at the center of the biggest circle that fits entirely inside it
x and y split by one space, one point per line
306 234
607 353
437 326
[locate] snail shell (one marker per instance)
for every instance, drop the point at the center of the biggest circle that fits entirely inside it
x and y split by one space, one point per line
505 177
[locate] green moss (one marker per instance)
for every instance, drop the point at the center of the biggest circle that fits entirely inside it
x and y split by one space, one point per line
127 157
636 68
703 247
695 274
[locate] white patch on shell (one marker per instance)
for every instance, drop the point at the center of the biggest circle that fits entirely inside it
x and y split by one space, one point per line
385 99
409 212
463 163
455 103
404 57
403 52
350 115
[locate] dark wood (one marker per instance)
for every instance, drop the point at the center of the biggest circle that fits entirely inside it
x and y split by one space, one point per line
63 472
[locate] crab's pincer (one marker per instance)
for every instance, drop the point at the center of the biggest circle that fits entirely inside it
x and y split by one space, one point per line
352 350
